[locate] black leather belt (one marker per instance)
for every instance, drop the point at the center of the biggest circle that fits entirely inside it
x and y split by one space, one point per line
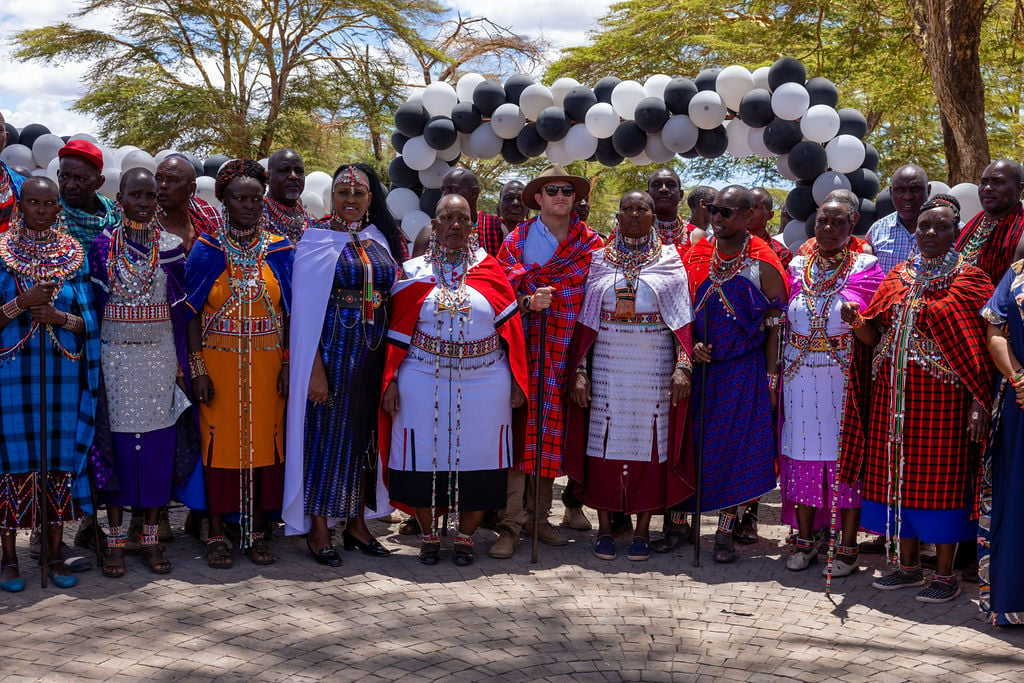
353 298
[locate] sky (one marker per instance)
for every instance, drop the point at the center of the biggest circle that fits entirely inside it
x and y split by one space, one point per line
34 93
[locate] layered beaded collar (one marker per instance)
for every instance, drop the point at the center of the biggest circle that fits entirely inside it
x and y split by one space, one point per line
50 254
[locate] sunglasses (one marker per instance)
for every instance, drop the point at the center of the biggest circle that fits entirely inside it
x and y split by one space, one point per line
552 190
726 211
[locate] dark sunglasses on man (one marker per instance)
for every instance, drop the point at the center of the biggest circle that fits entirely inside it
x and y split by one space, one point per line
726 211
552 190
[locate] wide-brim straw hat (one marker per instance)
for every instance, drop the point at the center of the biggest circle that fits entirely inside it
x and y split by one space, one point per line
553 174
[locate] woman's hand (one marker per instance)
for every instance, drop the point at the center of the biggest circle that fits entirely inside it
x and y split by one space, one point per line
39 294
282 381
1018 388
977 423
202 388
518 397
680 385
701 353
46 314
317 392
580 392
849 311
389 402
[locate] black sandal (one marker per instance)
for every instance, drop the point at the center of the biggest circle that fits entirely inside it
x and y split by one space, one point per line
259 552
746 531
410 527
673 539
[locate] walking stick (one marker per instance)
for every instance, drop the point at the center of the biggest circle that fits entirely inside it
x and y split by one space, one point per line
95 513
695 520
43 464
540 440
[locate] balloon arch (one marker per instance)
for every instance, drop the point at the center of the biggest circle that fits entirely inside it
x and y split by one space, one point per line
773 111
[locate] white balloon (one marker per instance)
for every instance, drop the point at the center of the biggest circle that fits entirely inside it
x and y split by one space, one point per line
827 182
845 153
413 224
760 76
790 101
707 110
601 120
755 139
84 136
418 154
430 178
641 159
38 172
679 134
204 188
138 159
557 153
738 134
453 152
732 84
656 151
655 85
560 87
466 85
112 183
402 201
936 187
45 148
109 157
52 168
967 195
164 153
625 96
313 202
820 123
18 155
439 98
580 143
483 143
534 99
121 152
264 162
795 234
416 97
782 164
507 120
317 180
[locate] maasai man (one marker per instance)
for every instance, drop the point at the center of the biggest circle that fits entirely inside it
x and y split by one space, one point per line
286 179
10 184
489 228
663 186
700 219
739 291
992 239
511 209
546 259
764 211
80 176
892 237
181 213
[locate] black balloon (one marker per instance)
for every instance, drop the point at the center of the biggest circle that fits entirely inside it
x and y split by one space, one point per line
213 164
31 132
786 70
65 138
678 94
628 139
811 220
603 88
852 122
410 118
606 153
429 200
553 124
867 217
707 79
515 85
756 108
530 142
488 96
466 117
510 152
401 175
440 133
712 143
196 162
808 160
781 136
13 136
651 114
578 101
691 153
883 204
864 183
398 141
822 91
870 157
800 204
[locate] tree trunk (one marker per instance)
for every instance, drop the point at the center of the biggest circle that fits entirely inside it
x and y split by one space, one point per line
949 35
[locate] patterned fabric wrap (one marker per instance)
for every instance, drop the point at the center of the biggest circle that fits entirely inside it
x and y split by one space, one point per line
997 252
101 454
205 217
780 249
206 263
7 202
567 273
85 227
941 464
490 233
1000 524
71 386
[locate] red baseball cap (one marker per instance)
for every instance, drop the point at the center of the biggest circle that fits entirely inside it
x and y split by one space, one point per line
85 150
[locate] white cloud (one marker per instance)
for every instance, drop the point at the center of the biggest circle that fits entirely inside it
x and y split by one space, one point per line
561 23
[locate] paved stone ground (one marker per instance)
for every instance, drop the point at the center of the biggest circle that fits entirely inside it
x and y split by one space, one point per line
570 617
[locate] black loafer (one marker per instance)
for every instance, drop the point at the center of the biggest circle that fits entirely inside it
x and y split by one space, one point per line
326 555
371 547
463 556
430 553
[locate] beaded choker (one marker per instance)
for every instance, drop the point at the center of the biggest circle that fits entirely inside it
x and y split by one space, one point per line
347 226
292 220
933 272
725 268
53 258
245 263
130 272
450 269
823 276
671 232
631 255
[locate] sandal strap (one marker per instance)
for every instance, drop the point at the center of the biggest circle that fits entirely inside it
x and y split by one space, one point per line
216 539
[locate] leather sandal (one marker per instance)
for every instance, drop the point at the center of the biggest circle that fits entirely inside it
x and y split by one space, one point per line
259 552
113 562
218 554
746 530
725 551
153 557
673 539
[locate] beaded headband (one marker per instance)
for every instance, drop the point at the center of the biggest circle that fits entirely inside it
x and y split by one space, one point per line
940 201
348 177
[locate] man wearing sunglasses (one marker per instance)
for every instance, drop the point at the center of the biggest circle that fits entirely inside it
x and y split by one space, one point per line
547 259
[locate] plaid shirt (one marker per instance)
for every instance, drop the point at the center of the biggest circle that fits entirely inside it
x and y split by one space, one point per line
490 230
892 242
996 254
567 273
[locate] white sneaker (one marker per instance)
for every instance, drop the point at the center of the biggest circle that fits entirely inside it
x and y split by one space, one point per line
799 560
840 568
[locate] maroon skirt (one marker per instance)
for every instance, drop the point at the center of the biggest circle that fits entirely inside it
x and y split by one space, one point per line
625 485
224 487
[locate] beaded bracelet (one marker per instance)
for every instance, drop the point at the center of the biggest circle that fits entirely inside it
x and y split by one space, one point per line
582 368
858 322
72 323
773 381
197 364
1017 375
285 357
682 360
11 309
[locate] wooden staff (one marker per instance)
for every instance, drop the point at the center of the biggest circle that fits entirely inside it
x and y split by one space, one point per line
43 464
695 519
540 437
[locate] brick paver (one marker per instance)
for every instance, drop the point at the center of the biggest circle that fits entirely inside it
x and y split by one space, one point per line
571 617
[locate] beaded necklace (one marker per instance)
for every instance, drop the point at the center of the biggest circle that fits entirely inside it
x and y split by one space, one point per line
671 232
977 240
292 220
6 193
631 255
453 295
820 281
721 271
129 274
245 265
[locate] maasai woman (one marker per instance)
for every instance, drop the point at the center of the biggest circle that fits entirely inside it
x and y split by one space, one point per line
44 280
631 351
456 368
1001 526
817 354
345 268
139 272
239 286
738 286
917 444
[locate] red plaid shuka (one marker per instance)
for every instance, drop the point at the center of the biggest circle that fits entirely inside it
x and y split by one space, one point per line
940 463
205 219
996 253
567 273
490 232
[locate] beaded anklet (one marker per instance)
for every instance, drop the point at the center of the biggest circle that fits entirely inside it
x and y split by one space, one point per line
430 538
726 522
463 539
149 536
803 545
116 538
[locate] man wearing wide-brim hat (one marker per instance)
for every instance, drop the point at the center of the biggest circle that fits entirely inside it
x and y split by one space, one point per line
546 259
